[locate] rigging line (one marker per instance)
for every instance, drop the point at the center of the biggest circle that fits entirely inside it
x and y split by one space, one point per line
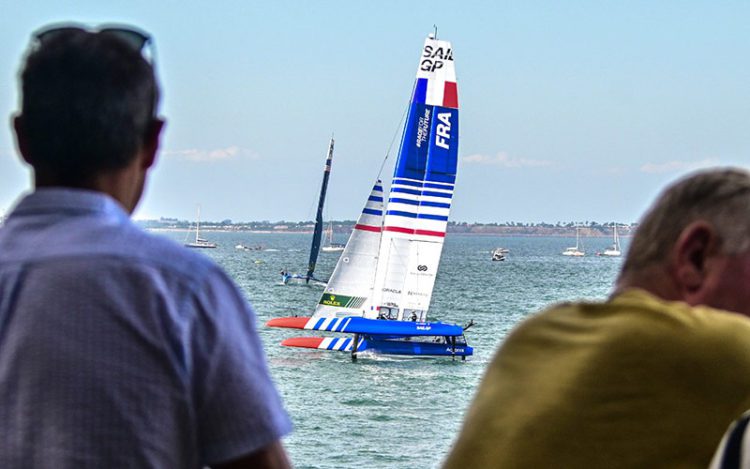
395 134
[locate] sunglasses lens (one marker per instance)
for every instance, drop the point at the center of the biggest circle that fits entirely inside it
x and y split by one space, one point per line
50 34
135 39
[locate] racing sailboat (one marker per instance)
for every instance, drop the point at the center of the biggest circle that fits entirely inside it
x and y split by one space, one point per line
286 277
382 285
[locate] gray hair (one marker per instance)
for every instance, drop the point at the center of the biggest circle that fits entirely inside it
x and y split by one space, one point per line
720 197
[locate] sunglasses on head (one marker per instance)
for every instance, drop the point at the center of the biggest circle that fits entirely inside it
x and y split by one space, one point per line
134 38
131 36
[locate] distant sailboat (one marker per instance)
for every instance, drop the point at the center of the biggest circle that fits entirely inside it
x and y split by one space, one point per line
199 242
318 230
330 246
576 250
614 250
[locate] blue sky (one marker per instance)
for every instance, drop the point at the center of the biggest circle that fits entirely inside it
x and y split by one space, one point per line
576 110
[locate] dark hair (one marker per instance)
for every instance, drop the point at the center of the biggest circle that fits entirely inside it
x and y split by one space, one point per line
88 102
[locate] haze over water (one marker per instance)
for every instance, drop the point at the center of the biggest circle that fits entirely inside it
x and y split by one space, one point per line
386 412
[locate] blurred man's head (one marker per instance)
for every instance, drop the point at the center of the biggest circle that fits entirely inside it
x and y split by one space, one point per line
694 243
88 104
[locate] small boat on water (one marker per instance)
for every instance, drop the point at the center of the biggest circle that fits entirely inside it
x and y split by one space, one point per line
382 285
498 254
199 242
330 246
614 250
574 251
243 247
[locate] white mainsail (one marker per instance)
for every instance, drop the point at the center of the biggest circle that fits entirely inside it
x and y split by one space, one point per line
349 290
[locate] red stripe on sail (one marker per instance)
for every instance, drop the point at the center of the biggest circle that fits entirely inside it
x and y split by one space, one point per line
439 234
450 95
375 229
399 229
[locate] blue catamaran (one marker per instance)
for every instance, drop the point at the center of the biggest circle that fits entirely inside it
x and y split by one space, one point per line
381 288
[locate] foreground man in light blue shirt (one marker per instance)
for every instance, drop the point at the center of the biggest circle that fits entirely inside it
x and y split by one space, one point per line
117 348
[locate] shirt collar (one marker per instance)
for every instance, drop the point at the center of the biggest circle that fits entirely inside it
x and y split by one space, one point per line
68 200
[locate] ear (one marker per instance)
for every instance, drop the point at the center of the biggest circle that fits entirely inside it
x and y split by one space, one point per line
695 245
151 143
21 141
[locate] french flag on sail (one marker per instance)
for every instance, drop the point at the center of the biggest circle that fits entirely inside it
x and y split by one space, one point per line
436 76
443 94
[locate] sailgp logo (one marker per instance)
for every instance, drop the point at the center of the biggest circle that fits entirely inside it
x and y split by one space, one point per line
443 130
432 58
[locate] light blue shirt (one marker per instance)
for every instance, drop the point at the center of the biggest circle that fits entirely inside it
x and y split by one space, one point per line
122 349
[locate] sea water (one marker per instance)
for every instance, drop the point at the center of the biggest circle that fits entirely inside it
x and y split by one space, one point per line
391 412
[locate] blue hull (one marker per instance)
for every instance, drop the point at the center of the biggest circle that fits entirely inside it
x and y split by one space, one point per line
413 347
407 346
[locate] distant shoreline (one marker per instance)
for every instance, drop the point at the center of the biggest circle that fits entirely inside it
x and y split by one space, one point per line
597 231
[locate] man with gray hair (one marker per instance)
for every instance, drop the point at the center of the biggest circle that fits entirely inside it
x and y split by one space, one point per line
649 378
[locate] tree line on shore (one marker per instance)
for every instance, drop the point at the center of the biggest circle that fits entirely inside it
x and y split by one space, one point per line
508 228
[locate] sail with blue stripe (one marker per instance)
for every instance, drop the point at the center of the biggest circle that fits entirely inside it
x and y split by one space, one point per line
349 290
418 208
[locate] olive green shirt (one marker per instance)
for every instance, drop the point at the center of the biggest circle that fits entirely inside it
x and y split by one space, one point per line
634 382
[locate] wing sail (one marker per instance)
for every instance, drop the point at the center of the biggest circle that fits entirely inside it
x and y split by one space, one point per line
318 231
419 202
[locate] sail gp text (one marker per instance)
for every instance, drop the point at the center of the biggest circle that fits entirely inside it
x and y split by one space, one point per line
432 58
